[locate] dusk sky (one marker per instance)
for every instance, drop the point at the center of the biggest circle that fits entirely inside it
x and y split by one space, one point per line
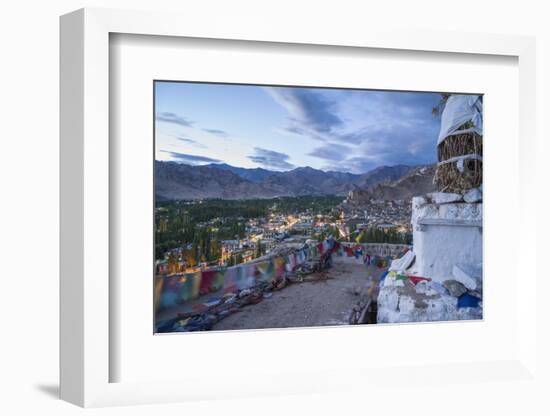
281 128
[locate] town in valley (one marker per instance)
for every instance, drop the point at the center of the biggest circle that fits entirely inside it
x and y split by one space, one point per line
195 235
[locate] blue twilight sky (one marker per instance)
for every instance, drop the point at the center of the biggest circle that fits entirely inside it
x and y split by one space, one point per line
281 128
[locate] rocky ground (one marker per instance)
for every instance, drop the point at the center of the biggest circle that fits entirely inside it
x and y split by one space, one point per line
327 301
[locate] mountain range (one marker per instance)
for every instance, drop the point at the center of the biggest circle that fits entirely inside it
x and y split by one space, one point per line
418 181
175 181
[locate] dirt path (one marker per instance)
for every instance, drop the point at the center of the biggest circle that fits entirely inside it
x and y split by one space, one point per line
324 302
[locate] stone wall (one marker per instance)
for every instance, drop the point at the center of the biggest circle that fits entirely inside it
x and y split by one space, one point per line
445 235
382 249
402 301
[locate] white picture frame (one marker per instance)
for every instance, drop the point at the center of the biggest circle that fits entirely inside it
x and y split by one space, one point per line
86 356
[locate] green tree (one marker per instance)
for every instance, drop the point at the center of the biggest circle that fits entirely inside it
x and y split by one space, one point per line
172 262
259 249
215 251
189 258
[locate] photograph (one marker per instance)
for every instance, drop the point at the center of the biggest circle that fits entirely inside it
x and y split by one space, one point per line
305 206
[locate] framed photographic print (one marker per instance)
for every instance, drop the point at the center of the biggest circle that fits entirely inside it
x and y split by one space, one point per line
244 205
335 187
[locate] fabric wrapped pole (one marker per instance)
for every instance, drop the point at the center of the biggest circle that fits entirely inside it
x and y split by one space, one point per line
459 109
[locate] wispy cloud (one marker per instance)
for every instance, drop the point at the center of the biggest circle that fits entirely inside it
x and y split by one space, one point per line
346 130
376 127
192 159
331 152
271 159
310 112
305 132
216 132
174 118
191 141
401 147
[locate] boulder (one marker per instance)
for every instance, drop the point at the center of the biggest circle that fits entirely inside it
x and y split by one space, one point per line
473 195
244 293
455 288
444 197
406 304
468 275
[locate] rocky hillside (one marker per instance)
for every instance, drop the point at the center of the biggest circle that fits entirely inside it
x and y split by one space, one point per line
417 181
383 175
180 181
